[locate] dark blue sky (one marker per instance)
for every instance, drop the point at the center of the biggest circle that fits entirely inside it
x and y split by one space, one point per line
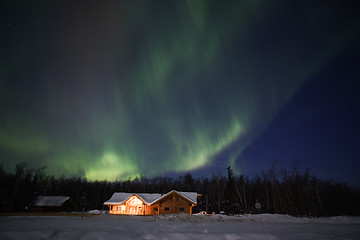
320 127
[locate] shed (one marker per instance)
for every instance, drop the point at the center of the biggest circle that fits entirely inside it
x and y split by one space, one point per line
54 204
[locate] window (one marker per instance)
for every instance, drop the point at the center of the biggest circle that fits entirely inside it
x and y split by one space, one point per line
122 208
166 209
177 199
155 209
182 209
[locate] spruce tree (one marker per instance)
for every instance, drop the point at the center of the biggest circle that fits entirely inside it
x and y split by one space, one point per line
231 204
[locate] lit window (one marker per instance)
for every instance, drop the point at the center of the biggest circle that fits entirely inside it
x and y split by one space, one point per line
122 208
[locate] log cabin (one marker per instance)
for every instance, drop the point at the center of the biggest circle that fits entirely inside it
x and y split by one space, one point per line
151 203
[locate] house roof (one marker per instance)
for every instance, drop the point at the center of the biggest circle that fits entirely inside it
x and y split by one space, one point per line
148 198
120 197
50 201
191 196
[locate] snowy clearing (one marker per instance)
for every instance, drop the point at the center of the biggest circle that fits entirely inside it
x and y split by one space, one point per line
179 226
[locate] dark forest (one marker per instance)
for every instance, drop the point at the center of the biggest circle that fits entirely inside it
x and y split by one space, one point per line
293 192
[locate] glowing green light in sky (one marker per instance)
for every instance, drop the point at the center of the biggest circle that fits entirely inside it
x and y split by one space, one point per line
199 149
111 167
158 88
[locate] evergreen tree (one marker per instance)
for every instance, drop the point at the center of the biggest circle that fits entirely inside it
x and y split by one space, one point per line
231 205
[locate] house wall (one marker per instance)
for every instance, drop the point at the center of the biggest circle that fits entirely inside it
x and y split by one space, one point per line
133 206
124 209
175 203
129 210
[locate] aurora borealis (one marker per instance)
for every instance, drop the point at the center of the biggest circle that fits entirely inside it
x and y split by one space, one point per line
115 89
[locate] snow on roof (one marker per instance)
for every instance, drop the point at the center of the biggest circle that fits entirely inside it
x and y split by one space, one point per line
148 198
51 201
191 196
118 198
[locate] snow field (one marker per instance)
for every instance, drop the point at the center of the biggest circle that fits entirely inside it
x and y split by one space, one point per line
179 227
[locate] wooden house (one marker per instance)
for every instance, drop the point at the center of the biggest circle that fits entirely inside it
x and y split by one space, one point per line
54 204
151 203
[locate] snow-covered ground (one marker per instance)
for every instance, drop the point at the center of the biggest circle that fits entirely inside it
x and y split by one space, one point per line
180 226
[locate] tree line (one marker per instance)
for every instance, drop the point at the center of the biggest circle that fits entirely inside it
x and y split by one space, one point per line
293 192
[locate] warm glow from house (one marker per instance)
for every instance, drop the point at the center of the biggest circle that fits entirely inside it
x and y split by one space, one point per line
134 201
133 206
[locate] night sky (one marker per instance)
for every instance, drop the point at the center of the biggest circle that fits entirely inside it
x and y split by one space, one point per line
115 89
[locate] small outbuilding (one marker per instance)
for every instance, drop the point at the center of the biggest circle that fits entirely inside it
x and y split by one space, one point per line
54 204
151 203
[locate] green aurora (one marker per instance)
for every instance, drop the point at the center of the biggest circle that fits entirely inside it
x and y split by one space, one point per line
118 90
